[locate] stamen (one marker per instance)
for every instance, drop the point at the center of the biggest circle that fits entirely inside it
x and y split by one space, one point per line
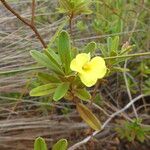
86 67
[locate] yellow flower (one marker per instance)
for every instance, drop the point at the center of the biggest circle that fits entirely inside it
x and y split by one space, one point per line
89 70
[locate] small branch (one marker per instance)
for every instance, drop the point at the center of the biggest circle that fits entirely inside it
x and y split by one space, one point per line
128 89
122 110
15 13
33 12
20 70
125 66
70 22
129 55
31 25
39 36
105 123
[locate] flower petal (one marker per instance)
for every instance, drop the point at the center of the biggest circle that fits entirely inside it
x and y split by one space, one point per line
78 62
98 67
87 79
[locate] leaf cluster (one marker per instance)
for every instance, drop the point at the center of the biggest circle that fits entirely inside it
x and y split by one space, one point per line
40 144
133 131
75 7
111 50
60 80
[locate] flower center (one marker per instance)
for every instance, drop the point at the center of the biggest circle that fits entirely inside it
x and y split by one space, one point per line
86 67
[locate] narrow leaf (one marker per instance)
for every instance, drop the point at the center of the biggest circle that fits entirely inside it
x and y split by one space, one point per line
90 48
40 144
48 78
45 61
64 50
115 44
103 50
88 117
109 44
82 94
53 57
60 145
61 91
43 90
54 37
119 69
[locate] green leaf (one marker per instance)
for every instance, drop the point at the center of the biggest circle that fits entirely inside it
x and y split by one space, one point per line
64 50
54 37
88 117
43 90
117 61
76 6
98 99
115 44
48 78
109 44
141 136
82 94
60 145
40 144
53 57
81 26
45 61
103 50
90 48
61 91
119 69
126 48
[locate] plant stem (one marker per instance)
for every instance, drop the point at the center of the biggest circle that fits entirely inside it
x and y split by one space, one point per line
31 25
19 70
33 12
128 56
128 90
70 22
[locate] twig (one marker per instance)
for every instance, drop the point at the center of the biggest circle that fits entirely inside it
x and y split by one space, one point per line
33 12
122 110
70 22
129 55
128 89
31 25
125 66
20 70
105 123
